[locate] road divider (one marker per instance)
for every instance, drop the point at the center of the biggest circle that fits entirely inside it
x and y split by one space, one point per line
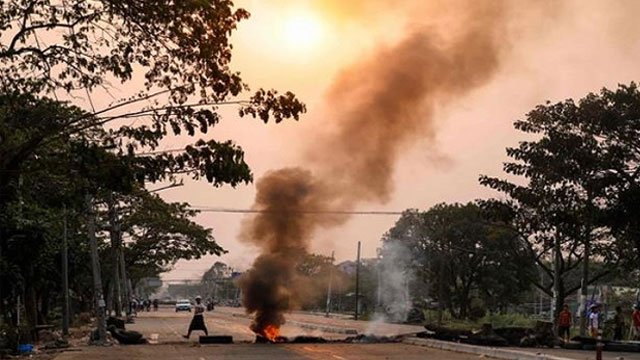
492 352
325 328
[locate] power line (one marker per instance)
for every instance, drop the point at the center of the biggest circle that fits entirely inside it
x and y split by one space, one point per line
295 212
157 152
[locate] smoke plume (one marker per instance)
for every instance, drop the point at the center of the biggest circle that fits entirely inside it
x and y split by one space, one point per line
394 279
381 106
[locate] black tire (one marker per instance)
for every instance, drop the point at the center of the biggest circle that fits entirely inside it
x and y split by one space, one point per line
126 337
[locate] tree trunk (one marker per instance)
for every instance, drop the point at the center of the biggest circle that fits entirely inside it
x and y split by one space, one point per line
558 303
440 290
98 299
125 283
109 298
558 284
30 300
464 302
584 292
115 248
43 300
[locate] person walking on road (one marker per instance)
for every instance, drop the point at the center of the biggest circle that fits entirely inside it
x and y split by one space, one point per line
197 322
564 323
134 306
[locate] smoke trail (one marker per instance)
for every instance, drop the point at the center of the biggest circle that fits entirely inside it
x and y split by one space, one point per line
382 105
283 235
395 278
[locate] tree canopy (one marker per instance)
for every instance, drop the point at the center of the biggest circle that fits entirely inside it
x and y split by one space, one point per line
460 256
171 64
577 176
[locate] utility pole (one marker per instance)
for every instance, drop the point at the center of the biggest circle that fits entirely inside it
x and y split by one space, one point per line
329 286
357 281
125 283
95 269
557 277
115 250
584 288
65 276
441 269
379 269
18 307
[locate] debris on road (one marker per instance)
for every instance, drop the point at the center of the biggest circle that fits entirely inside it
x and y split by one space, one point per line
126 337
540 335
218 339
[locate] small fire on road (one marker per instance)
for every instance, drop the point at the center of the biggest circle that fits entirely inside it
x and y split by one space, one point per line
269 333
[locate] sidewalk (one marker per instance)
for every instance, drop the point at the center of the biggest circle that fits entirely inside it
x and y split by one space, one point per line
511 353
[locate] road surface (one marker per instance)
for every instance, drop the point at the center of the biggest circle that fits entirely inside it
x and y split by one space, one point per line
264 352
165 328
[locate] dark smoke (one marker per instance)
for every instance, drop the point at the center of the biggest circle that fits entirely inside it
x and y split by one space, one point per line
382 105
282 232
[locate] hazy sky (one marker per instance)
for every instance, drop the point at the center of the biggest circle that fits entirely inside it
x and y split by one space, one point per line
550 52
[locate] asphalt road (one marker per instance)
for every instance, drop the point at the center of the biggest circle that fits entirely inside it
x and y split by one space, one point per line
164 330
167 326
264 352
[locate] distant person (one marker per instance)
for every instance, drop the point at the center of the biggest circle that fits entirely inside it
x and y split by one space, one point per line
197 322
155 304
564 323
635 317
594 321
134 306
618 321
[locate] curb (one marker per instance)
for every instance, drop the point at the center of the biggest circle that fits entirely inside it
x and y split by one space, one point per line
311 326
481 350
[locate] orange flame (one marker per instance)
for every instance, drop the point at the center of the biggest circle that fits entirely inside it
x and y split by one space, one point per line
270 332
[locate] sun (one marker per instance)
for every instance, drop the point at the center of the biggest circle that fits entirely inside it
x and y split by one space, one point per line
303 31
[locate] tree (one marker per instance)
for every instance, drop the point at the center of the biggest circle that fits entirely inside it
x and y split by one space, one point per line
58 174
460 256
312 265
579 171
181 49
218 284
160 234
217 271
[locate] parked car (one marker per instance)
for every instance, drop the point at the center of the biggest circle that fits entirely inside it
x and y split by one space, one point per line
183 305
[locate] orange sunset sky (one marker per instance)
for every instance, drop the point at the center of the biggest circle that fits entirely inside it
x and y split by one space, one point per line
551 50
